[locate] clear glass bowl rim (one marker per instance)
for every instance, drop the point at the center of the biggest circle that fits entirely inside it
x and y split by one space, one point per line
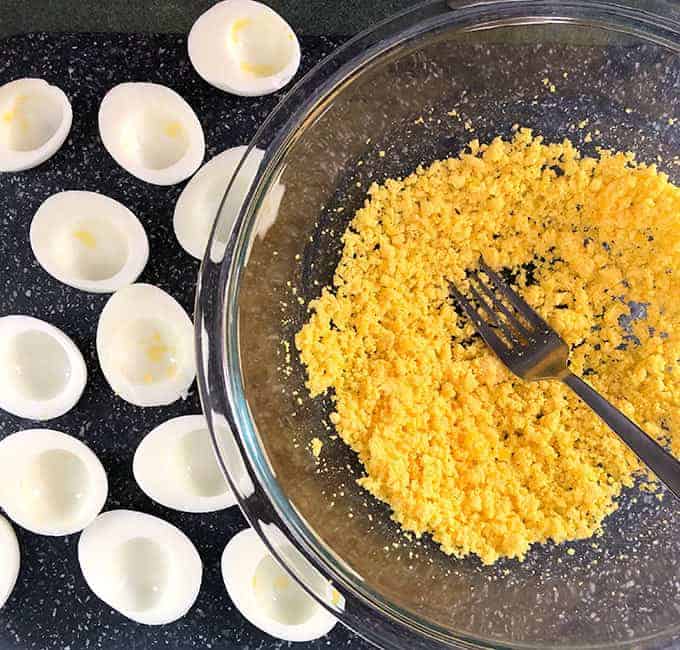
216 311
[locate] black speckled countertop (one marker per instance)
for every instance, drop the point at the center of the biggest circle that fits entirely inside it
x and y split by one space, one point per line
51 606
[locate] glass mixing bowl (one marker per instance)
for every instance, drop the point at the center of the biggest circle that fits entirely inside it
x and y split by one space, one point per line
545 65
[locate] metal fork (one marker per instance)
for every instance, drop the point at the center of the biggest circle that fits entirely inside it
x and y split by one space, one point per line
533 350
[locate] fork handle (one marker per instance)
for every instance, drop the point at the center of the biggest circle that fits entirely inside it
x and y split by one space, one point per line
650 452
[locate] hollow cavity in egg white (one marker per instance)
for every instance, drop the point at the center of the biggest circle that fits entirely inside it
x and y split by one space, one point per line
155 139
29 120
145 564
50 482
195 465
176 466
147 351
244 47
39 364
42 372
89 241
55 485
268 597
10 559
84 255
35 119
140 565
145 346
261 44
278 596
151 132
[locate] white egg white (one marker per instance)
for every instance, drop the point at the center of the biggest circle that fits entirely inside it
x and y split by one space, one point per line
140 565
199 202
35 119
89 241
176 466
50 482
42 372
268 596
151 132
10 558
145 345
244 48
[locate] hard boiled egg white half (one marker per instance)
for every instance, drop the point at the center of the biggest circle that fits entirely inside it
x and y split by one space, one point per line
9 560
42 372
89 241
50 482
199 202
175 465
269 597
35 119
151 132
244 47
145 345
140 565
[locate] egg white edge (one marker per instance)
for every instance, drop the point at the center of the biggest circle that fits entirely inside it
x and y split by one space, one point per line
12 555
151 395
13 462
212 27
240 559
225 162
146 465
24 160
184 561
57 406
132 229
115 102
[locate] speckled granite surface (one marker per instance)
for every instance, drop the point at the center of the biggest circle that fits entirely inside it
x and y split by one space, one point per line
51 606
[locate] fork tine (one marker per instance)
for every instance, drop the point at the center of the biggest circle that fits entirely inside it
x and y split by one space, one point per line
515 300
509 334
486 332
512 318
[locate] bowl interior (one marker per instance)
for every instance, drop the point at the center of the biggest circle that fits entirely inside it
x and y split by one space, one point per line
424 97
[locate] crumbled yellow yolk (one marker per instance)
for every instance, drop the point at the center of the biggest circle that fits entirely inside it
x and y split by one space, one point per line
316 445
449 437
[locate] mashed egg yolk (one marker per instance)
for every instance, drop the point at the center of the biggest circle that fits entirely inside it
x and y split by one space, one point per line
455 443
